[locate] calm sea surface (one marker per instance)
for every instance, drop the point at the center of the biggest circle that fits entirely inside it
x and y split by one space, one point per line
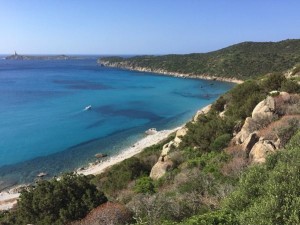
43 126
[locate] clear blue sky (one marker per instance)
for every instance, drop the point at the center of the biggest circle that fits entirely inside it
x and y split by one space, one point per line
142 26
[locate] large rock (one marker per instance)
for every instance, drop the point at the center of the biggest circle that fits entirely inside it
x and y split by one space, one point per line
264 112
264 109
249 143
166 148
260 151
286 97
248 127
161 167
179 134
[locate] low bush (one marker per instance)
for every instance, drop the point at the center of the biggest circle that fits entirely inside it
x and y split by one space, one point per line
119 176
269 193
144 185
57 201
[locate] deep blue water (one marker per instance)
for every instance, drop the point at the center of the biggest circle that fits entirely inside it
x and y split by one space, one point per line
43 126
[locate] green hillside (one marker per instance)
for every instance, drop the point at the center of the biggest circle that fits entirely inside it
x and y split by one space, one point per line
241 61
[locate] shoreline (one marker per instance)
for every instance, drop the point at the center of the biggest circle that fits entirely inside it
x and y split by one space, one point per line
9 197
126 153
168 73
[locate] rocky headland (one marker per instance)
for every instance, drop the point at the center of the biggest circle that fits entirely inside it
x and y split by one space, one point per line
129 66
39 57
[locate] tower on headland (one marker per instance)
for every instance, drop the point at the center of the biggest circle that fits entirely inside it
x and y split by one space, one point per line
16 53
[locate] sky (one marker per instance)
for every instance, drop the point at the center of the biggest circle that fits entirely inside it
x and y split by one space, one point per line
142 26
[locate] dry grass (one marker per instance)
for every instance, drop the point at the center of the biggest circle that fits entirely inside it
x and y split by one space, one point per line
234 167
288 107
271 131
235 150
107 214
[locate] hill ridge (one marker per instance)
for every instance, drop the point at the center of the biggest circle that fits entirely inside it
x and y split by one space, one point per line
239 61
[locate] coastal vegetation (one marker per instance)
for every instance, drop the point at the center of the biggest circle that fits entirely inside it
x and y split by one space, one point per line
241 61
56 201
265 194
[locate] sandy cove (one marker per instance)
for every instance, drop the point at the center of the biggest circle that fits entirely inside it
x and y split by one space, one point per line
10 197
128 152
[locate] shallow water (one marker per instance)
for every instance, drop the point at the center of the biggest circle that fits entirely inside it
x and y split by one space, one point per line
43 125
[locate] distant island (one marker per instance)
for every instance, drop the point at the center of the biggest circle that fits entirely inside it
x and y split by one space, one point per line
237 62
40 57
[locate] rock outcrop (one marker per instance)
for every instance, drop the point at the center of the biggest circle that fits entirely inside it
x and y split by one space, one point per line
257 147
179 134
263 113
249 143
161 167
265 109
248 127
164 162
260 150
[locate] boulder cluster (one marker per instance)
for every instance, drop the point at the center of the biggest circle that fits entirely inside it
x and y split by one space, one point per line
256 147
165 162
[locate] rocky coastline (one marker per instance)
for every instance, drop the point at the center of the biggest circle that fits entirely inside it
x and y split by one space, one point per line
127 66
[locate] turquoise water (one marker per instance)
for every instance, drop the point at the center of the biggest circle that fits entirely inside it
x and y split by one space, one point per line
43 126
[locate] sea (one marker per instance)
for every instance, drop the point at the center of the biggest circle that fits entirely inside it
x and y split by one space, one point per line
44 126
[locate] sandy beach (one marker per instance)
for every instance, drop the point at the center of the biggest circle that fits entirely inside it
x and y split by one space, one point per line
8 200
128 152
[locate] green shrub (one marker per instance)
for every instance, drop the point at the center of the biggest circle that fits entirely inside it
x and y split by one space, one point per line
144 185
219 104
202 133
296 69
273 82
220 142
244 98
119 175
58 201
213 218
269 193
290 86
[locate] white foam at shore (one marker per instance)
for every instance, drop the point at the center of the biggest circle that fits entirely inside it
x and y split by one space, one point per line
128 152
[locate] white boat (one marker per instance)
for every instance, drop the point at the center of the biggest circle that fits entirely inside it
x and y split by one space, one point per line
89 107
151 131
